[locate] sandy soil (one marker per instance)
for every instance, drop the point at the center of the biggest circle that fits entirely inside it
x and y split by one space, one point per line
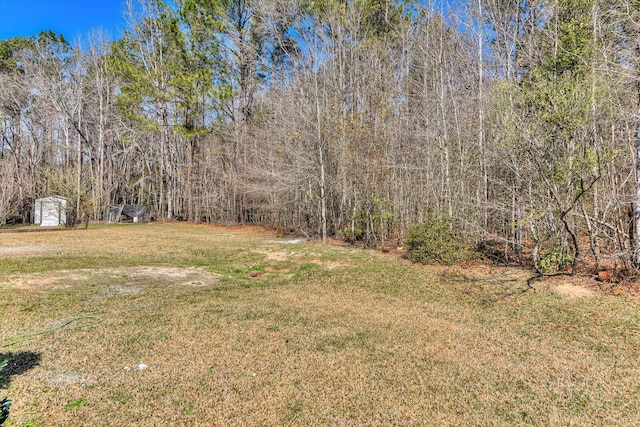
129 279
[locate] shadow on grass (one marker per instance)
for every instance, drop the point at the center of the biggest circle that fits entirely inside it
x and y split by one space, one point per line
18 364
489 291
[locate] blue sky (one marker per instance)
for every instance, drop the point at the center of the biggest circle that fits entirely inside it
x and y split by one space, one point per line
72 18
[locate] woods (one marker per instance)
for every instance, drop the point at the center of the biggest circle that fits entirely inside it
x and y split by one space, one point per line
517 123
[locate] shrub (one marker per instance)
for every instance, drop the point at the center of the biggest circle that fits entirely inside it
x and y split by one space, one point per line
4 403
554 260
434 241
352 235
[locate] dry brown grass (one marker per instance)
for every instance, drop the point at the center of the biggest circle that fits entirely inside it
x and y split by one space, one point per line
322 336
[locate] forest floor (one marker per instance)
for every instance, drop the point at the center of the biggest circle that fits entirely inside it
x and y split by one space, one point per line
174 324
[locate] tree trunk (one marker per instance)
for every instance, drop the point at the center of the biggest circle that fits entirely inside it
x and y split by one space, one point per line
635 243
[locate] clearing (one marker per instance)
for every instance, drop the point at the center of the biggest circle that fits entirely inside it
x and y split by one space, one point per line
199 325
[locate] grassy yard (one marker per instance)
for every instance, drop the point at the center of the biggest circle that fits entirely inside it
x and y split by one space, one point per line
195 325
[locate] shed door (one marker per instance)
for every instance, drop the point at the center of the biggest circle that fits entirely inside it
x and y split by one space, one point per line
50 214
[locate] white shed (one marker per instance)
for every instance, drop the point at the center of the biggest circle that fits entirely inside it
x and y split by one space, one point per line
50 211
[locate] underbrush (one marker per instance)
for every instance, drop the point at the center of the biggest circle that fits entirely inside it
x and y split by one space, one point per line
434 241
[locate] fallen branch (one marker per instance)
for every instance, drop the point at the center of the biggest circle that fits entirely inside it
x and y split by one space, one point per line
540 276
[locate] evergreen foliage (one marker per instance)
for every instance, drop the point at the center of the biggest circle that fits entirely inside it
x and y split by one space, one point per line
5 403
433 241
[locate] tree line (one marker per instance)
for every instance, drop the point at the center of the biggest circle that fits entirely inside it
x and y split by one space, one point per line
514 121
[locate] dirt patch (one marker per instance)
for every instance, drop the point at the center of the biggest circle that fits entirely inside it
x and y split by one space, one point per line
121 280
176 273
120 289
578 286
276 256
53 280
19 250
329 265
280 256
570 290
287 241
65 379
334 265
